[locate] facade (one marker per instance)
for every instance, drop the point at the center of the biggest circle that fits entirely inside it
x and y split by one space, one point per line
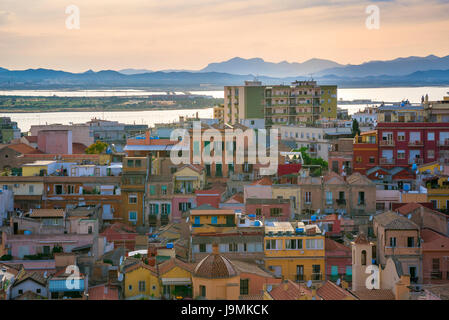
338 261
435 251
8 130
341 157
295 251
365 151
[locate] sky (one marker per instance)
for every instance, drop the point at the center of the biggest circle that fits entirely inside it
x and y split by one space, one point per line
189 34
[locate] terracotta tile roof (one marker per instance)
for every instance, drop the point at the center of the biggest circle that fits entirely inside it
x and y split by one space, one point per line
168 265
434 241
78 148
409 207
45 213
333 247
140 265
23 148
375 294
393 221
265 181
289 291
31 139
103 292
251 267
215 266
330 291
252 297
238 197
34 276
361 239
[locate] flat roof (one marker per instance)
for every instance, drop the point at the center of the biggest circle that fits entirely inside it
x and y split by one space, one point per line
39 163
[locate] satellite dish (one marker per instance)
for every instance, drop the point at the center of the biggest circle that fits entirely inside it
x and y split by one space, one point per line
338 281
324 232
309 283
409 216
187 220
120 277
318 211
339 216
45 274
370 218
377 173
269 288
121 260
417 172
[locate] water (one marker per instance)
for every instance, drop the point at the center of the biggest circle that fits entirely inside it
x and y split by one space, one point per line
25 120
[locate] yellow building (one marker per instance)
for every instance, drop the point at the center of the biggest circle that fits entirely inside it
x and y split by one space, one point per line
38 168
176 279
294 251
429 167
438 192
134 178
328 102
141 281
189 178
219 113
216 278
206 219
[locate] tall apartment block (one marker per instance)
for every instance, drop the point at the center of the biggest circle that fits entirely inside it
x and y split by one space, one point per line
300 102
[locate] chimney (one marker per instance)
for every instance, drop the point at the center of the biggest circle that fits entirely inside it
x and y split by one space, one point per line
215 248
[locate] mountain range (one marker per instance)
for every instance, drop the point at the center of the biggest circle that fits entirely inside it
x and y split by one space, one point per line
411 71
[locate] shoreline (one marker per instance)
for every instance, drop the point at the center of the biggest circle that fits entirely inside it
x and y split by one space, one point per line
90 110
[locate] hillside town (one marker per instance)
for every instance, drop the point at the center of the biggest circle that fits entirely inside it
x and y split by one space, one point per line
357 207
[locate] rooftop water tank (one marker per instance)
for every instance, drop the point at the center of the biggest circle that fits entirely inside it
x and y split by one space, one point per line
27 232
170 245
252 215
313 218
257 223
299 230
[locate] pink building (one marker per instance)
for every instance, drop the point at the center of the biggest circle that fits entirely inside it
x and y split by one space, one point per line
271 209
55 141
181 204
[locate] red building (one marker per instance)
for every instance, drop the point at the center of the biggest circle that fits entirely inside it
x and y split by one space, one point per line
365 152
435 252
211 197
338 260
406 143
271 209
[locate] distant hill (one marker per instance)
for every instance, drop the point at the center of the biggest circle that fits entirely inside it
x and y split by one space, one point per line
134 71
396 67
53 79
258 66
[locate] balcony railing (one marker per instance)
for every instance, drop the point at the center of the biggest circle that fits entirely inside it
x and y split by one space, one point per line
317 277
436 275
300 277
341 201
386 161
444 143
416 160
416 144
387 143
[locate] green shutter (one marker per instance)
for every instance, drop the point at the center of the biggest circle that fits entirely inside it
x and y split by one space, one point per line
156 207
152 190
334 270
168 208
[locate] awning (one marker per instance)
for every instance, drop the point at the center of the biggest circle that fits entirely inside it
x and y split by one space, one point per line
176 281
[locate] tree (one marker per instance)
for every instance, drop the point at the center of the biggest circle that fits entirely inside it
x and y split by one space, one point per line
355 128
97 148
323 165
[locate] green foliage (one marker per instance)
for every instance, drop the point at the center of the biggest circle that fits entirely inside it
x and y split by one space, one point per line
137 256
6 257
57 249
355 128
323 165
97 148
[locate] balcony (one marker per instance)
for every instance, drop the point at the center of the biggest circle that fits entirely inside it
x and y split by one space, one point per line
317 277
416 144
444 143
386 161
341 201
386 143
436 275
416 160
300 277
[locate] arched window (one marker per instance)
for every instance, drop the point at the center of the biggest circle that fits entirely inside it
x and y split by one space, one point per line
363 258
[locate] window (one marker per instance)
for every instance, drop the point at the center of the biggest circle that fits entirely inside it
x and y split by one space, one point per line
70 189
410 242
271 244
401 136
163 189
218 171
293 244
202 291
20 291
275 212
328 197
58 189
233 247
202 247
184 206
152 190
132 216
38 290
363 258
138 163
430 154
258 212
401 154
31 189
132 198
308 197
436 265
142 286
244 286
165 208
358 159
393 242
361 199
372 159
130 163
314 244
130 287
154 208
430 136
214 220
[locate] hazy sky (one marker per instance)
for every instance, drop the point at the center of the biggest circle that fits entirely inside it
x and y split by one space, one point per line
189 34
